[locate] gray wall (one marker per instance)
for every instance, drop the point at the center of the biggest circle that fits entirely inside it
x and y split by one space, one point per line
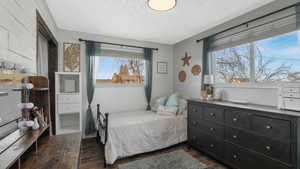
18 30
266 95
18 44
119 99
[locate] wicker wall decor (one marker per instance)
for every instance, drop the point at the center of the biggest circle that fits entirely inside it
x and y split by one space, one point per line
196 70
71 57
182 76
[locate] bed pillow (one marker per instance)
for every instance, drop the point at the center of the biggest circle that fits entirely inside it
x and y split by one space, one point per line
167 110
182 108
161 101
172 100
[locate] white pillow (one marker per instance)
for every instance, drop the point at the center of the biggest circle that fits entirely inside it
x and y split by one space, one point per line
182 110
161 101
167 110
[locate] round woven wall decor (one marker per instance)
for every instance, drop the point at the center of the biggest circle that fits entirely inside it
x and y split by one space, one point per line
196 70
182 76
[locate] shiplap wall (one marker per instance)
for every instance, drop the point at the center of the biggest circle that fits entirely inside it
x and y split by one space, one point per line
18 30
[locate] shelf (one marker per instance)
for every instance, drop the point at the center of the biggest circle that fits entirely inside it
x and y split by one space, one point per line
40 89
69 113
9 156
3 94
67 130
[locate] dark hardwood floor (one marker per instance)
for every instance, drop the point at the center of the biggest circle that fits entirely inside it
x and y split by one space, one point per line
92 157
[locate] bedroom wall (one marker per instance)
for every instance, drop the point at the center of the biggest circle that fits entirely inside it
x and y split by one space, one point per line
191 88
115 99
18 30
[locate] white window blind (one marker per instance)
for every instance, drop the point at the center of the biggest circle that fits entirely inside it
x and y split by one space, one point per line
281 22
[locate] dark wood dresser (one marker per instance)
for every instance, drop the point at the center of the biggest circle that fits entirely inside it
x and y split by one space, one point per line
245 136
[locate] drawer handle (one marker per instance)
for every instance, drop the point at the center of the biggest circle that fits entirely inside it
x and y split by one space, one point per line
194 123
269 127
212 114
234 156
234 119
234 136
211 145
212 129
268 148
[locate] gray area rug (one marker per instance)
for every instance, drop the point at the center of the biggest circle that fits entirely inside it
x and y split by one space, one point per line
174 160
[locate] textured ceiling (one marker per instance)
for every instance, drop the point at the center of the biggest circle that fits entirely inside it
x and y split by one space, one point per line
134 20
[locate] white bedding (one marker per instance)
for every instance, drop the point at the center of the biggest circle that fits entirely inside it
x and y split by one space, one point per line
142 131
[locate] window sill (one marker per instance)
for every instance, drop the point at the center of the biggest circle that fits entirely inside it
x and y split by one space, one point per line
250 85
113 85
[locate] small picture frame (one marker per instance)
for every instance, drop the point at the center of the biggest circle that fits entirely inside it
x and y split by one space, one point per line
162 67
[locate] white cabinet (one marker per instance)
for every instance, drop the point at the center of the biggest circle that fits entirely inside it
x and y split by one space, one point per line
68 102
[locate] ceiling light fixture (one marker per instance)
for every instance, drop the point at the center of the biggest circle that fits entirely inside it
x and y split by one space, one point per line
162 5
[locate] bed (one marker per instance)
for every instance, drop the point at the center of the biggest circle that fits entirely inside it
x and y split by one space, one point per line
130 133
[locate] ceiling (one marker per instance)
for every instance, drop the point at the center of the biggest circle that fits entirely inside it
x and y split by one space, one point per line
133 19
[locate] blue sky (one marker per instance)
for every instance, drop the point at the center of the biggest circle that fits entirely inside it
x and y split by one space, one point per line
282 49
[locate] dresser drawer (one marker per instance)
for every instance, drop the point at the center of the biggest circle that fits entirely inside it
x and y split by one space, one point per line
238 137
194 112
212 129
272 148
193 139
240 158
214 114
292 95
271 127
69 99
237 118
291 89
211 145
68 108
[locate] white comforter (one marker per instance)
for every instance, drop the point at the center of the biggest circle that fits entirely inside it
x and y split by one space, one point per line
142 131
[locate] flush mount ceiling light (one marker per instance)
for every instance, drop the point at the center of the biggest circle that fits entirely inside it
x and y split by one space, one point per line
162 5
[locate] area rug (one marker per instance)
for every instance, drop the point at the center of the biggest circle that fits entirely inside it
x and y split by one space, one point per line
174 160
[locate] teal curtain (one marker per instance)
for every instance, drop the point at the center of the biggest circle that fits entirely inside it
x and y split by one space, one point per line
148 55
205 60
91 49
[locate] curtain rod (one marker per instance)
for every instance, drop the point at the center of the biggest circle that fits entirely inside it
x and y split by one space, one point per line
117 44
245 23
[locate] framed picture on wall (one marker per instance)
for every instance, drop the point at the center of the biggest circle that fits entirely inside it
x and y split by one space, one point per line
71 57
162 67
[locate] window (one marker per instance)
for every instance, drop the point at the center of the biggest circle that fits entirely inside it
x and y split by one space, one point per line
120 68
269 60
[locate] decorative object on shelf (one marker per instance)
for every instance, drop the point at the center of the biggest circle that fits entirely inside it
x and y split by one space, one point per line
162 5
71 57
196 70
36 124
182 76
38 114
11 73
218 94
186 59
162 67
208 82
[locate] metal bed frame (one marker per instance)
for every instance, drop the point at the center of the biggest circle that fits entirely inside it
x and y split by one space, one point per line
102 123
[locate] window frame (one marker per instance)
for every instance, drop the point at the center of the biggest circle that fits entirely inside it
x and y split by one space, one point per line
252 83
114 85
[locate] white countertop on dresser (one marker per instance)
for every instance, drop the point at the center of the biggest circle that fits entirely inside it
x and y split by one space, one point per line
271 109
